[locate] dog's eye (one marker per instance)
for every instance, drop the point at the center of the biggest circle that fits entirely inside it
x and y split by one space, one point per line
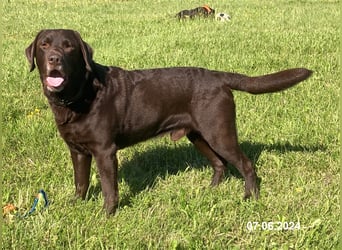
67 45
44 45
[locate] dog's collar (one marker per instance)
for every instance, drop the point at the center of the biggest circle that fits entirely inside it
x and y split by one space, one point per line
68 102
79 104
207 8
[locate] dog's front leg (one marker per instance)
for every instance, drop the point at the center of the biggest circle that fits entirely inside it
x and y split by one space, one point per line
107 165
81 163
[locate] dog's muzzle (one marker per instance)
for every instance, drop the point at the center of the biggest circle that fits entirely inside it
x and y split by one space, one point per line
55 77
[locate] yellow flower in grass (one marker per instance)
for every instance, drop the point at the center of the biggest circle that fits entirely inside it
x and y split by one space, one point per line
34 113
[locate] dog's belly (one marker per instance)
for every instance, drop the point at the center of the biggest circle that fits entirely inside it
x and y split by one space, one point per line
177 125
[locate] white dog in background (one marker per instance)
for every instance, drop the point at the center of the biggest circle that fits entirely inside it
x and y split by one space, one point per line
223 17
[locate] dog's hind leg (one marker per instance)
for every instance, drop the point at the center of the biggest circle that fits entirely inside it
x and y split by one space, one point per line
226 146
202 146
218 129
233 154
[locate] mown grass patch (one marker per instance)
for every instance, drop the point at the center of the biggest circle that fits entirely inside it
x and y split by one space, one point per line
292 137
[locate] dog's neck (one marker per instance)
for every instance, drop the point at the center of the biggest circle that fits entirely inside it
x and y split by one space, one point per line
207 8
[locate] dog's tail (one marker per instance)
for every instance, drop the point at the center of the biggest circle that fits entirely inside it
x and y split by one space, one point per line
269 83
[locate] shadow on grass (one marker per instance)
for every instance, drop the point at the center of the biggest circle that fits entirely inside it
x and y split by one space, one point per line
146 167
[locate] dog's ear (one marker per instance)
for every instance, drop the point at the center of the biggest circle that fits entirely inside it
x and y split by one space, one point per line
30 52
87 53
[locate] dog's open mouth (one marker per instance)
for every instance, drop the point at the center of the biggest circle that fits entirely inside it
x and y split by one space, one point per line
55 80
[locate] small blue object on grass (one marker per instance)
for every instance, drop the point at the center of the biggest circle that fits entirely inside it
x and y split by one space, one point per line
40 201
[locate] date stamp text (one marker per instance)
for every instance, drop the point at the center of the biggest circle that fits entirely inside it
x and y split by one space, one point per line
273 225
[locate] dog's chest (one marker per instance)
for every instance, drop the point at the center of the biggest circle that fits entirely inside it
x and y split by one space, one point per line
75 129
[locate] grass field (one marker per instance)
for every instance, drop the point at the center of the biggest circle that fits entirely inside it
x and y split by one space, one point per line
292 137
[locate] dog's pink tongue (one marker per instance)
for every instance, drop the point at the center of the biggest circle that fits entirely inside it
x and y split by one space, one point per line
54 81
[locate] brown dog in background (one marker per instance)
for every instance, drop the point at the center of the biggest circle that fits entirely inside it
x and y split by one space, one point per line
203 11
100 110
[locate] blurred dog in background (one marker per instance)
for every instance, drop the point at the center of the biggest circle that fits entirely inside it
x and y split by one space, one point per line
203 11
223 17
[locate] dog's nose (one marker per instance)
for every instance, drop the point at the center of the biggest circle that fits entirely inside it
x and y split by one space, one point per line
54 59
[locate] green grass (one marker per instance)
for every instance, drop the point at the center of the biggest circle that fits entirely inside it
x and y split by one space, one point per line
165 201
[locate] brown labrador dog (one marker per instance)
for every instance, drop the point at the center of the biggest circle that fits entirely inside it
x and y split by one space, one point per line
100 109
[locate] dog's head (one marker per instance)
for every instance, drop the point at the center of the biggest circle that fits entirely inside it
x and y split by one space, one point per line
206 10
63 60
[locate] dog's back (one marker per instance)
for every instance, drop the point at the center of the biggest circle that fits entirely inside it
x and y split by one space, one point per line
204 10
183 14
